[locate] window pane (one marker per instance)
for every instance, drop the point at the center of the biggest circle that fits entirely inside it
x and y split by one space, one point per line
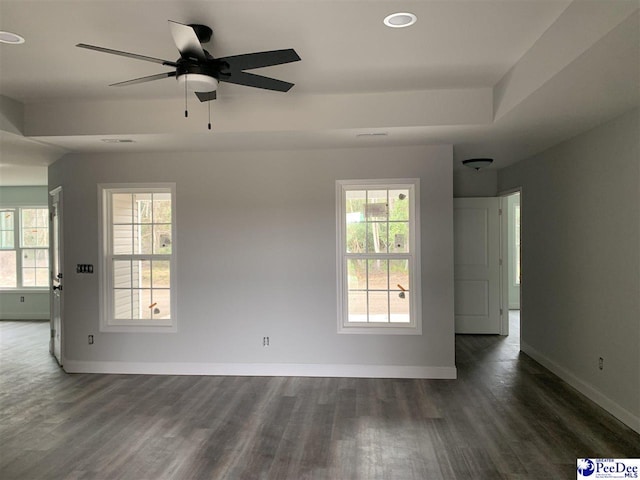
161 274
7 228
399 304
43 237
378 306
145 273
162 239
146 305
142 243
143 208
122 273
399 236
357 307
162 301
28 277
376 207
29 237
378 275
399 274
377 237
162 208
42 277
121 207
29 218
8 269
35 227
6 219
356 274
356 234
122 239
6 239
42 258
122 304
28 259
399 205
136 273
42 215
136 304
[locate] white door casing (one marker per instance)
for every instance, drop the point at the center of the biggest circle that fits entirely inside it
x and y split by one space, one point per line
56 274
477 265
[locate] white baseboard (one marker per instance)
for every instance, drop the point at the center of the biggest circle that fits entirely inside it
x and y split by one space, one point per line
24 316
260 369
621 413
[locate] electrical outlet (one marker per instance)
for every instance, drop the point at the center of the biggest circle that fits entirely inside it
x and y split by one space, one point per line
265 341
90 339
21 299
601 363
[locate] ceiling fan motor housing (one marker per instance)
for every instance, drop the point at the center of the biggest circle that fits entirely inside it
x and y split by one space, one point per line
199 77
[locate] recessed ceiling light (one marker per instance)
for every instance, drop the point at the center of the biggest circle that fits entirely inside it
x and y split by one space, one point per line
400 19
12 38
117 140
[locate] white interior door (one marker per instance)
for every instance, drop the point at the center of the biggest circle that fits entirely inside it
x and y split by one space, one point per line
477 265
57 277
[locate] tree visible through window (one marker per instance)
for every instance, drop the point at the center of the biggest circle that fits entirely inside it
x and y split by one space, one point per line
378 255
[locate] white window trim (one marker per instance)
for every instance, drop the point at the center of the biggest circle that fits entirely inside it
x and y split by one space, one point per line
105 277
18 248
415 327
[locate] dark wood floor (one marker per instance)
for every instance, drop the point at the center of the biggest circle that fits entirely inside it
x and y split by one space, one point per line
506 417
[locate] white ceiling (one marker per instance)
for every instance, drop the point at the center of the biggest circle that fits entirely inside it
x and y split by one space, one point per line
499 78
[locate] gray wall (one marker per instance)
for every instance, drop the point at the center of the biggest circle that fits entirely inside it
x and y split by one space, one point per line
581 261
472 183
257 257
36 303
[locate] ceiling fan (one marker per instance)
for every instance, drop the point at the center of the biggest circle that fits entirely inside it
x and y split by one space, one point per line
200 72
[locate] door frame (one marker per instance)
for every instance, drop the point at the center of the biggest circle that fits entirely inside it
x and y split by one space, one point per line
54 194
505 260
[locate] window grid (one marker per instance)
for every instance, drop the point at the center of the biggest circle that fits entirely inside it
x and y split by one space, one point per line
24 252
377 257
139 257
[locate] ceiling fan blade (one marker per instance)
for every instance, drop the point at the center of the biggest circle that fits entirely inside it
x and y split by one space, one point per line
144 79
186 41
206 96
248 61
127 54
257 81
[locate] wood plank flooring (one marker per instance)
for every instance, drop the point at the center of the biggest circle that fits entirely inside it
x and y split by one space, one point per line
506 417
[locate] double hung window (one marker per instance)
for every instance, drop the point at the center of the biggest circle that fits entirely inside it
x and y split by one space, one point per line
378 256
138 261
24 247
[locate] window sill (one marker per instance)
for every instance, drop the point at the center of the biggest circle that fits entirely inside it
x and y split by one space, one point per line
379 330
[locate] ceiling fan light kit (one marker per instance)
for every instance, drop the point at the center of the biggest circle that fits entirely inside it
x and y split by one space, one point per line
197 82
199 72
477 163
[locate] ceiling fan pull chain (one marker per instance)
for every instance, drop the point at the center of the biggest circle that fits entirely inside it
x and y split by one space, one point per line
209 104
186 112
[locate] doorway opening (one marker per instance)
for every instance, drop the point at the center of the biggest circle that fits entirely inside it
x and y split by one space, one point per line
511 254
